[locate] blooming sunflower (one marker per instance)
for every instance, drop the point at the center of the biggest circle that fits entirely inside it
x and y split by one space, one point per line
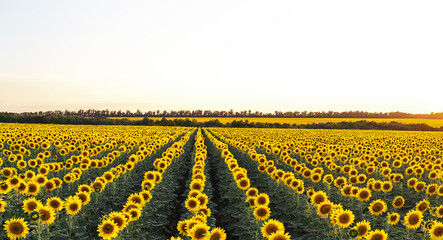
318 197
439 211
378 207
362 228
270 227
280 235
192 204
119 219
47 215
252 192
262 212
199 231
31 204
3 205
377 235
436 232
16 228
55 203
324 209
364 194
393 218
423 205
217 234
398 202
344 218
413 219
108 229
262 199
73 205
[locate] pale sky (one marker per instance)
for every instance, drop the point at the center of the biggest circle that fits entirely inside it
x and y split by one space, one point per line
376 56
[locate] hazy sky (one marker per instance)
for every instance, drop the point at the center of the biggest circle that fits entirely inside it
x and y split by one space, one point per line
375 56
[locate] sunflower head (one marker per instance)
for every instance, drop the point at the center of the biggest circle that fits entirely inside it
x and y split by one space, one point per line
217 234
393 218
270 227
413 219
108 229
199 231
378 207
377 235
262 212
436 231
318 197
16 228
344 218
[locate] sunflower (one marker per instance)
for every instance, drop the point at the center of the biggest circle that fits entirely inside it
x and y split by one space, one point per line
176 238
217 234
199 231
84 188
262 199
423 205
280 235
31 204
50 185
146 195
344 218
431 189
439 211
108 229
13 181
420 186
270 227
364 194
378 207
22 187
5 188
377 235
318 197
197 185
136 198
393 218
192 204
411 182
3 205
262 212
73 205
436 232
135 213
16 228
55 203
377 186
398 202
386 186
338 182
252 192
413 219
324 209
84 197
47 215
362 228
119 219
33 188
243 183
182 226
346 190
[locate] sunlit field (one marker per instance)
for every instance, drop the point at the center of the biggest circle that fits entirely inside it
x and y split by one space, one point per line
431 122
140 182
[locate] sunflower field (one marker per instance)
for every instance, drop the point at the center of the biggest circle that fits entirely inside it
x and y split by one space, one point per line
165 183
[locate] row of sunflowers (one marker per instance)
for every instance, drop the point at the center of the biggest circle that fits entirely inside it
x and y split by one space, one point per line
166 183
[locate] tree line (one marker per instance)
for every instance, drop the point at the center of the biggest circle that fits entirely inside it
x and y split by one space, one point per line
146 121
232 113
